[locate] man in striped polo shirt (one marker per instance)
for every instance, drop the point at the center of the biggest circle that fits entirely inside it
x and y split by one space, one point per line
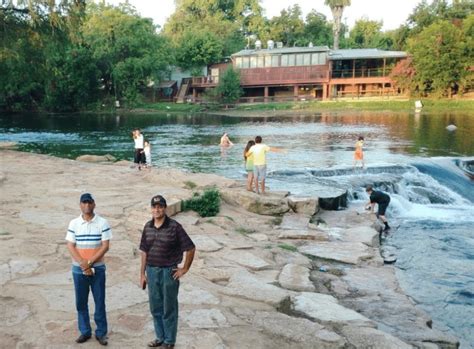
88 241
162 244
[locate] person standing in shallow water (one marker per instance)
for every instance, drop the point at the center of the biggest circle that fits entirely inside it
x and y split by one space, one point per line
162 245
88 238
139 144
358 153
259 152
225 141
382 200
249 165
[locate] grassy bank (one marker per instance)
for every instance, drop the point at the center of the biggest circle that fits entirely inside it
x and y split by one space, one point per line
392 105
360 104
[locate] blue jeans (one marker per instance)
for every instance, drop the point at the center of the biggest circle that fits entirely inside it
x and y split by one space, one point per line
163 297
82 284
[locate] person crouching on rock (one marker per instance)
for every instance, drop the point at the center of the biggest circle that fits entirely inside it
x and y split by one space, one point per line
382 200
162 245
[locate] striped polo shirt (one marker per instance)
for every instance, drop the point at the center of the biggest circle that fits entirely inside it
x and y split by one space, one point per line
164 246
88 236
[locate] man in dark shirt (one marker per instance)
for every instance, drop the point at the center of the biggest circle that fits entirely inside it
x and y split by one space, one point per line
162 244
380 198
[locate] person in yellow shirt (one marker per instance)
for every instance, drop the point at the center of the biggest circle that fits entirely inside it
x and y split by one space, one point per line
259 152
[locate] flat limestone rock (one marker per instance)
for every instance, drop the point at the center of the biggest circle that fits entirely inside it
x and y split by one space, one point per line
96 158
246 259
345 252
258 237
367 337
269 204
190 294
5 274
303 235
12 311
295 277
57 279
205 318
366 235
246 285
304 331
187 218
206 244
294 222
326 309
303 205
198 339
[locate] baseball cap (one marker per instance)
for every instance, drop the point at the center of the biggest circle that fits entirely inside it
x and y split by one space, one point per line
86 197
158 200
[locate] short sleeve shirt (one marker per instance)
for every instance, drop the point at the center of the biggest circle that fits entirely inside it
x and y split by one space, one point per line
88 236
165 245
259 152
379 197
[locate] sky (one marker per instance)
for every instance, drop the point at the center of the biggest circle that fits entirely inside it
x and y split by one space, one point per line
391 12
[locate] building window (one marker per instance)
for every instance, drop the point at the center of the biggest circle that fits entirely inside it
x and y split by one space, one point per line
238 62
307 59
284 60
299 59
291 60
245 62
253 62
268 61
275 61
322 58
315 58
260 62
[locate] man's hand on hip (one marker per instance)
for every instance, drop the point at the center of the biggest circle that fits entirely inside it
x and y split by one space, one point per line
178 273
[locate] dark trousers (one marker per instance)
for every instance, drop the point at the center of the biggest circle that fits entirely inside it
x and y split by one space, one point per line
139 157
163 297
82 285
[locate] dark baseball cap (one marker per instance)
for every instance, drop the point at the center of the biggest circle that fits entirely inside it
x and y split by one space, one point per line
86 197
158 200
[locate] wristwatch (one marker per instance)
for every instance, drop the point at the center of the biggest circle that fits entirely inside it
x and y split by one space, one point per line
90 264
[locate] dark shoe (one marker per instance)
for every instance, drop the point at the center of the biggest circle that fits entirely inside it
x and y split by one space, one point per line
82 338
155 343
102 340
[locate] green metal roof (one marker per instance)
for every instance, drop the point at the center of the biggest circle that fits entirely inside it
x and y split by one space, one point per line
277 51
364 53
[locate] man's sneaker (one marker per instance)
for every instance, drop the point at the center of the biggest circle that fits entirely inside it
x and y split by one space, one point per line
102 340
82 338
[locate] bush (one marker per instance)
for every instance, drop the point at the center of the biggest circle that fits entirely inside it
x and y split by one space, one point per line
207 204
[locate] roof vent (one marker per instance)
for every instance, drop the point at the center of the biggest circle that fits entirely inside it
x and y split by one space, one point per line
279 44
258 45
270 44
310 44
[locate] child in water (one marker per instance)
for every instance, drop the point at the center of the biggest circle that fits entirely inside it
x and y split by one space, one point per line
249 164
147 152
359 154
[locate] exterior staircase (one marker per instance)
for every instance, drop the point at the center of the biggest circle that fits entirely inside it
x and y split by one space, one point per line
183 90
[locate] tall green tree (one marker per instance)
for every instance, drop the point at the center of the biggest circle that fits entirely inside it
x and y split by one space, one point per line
368 34
127 49
198 49
317 29
288 27
439 58
229 89
337 8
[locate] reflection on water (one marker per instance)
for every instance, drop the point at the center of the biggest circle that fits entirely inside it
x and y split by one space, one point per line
191 141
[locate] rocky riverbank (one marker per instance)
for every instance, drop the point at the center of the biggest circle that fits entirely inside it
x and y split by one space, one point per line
258 281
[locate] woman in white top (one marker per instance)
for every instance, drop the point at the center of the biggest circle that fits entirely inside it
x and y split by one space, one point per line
139 156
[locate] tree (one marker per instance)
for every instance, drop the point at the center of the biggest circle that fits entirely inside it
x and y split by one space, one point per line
337 8
317 29
127 49
403 74
229 89
439 58
198 49
288 27
368 34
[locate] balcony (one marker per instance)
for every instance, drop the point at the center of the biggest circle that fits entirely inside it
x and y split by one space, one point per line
284 75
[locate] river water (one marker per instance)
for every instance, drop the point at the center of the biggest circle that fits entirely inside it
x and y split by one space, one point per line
411 156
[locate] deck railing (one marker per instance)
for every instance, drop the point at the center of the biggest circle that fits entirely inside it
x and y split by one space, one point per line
360 73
